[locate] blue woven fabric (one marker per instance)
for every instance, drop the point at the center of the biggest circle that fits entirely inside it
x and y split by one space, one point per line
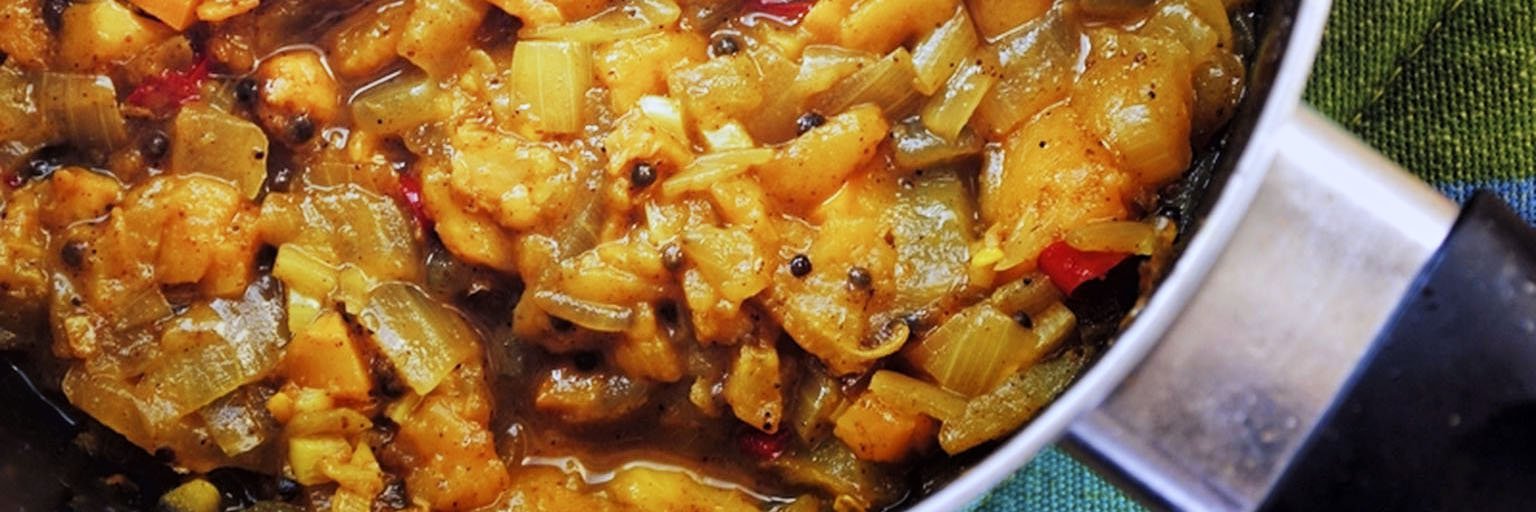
1519 193
1054 482
1446 87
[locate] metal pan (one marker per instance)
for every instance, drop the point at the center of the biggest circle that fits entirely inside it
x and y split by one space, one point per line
1335 335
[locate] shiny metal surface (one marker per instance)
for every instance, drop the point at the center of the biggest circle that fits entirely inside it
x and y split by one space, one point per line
1218 409
1294 33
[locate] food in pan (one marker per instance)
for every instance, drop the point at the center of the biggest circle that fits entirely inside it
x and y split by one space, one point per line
585 254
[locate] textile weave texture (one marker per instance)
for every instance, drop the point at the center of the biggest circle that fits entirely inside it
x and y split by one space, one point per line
1447 88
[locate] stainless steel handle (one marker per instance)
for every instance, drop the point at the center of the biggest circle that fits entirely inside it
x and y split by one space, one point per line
1224 402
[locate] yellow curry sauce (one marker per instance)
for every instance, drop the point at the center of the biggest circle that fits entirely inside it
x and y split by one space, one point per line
583 254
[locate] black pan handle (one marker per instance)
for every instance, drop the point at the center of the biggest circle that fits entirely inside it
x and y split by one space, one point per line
1441 415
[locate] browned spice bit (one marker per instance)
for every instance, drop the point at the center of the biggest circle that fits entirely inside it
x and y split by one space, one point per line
1024 320
246 91
642 175
73 254
301 129
672 257
155 146
724 44
800 265
809 121
859 277
914 321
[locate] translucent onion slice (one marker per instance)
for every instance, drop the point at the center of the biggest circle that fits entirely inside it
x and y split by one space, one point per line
630 20
973 351
1010 405
148 307
832 467
239 422
915 396
1037 62
917 148
222 145
301 270
110 401
950 111
398 105
887 83
931 226
423 339
713 168
1031 295
970 352
591 315
83 109
552 78
1120 236
215 348
938 54
888 341
817 398
20 131
821 66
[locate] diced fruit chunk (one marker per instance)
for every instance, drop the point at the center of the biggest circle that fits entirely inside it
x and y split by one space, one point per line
1138 95
97 34
1055 177
457 467
811 167
877 432
306 454
179 14
632 68
325 356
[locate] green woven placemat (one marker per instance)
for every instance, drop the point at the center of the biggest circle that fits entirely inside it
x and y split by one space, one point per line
1445 87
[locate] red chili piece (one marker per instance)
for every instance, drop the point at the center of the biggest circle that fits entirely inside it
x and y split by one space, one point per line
762 445
410 190
171 88
785 11
1069 268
